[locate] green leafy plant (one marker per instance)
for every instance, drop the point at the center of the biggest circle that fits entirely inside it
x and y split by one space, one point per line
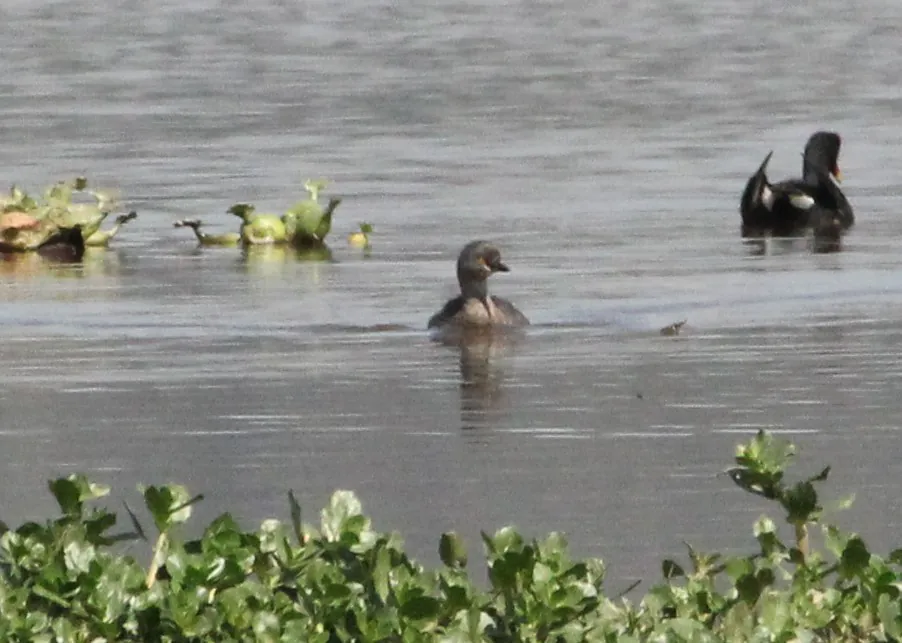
73 579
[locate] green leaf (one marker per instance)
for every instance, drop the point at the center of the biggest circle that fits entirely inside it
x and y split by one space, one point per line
834 540
337 592
296 518
467 626
764 525
343 506
504 570
765 454
381 573
855 557
452 550
541 575
703 564
506 539
97 525
800 502
67 496
670 569
51 596
266 627
457 597
308 223
889 611
243 211
688 630
420 608
222 535
72 492
78 556
775 612
749 588
325 223
169 505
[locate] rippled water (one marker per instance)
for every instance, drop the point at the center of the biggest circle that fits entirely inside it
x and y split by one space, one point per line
603 148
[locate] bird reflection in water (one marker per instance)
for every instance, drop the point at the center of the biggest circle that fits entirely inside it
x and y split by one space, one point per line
483 355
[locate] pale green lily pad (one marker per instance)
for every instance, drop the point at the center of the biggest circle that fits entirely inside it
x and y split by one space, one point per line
259 229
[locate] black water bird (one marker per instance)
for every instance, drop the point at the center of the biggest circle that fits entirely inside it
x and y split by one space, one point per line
794 206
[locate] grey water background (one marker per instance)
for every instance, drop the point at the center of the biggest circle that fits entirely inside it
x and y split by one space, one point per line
603 146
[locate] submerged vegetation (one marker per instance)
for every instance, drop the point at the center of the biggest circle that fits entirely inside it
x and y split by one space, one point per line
71 579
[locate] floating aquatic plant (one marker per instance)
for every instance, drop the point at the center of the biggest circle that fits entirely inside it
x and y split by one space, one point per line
306 223
29 224
307 220
259 229
361 237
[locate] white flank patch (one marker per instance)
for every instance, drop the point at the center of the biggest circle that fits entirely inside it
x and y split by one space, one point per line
801 201
767 196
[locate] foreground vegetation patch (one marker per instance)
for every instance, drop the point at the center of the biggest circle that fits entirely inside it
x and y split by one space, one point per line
75 578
